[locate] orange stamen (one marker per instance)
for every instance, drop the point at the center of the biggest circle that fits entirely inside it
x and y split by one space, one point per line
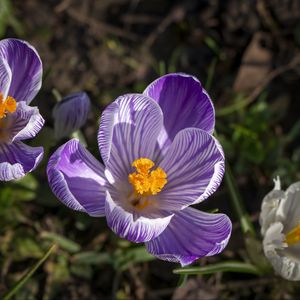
9 105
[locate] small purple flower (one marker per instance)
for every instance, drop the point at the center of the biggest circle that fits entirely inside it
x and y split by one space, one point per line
20 81
159 158
70 114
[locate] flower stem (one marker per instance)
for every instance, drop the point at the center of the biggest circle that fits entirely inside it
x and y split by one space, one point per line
228 266
237 203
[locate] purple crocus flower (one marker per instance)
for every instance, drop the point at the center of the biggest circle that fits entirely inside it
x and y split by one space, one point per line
159 158
70 114
20 80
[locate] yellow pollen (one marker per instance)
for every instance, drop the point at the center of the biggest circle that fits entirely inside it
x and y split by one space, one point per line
7 105
146 182
293 237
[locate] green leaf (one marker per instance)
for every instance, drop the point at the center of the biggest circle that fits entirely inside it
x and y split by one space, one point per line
7 18
25 246
27 182
28 275
82 270
130 256
91 258
5 12
229 266
24 189
63 242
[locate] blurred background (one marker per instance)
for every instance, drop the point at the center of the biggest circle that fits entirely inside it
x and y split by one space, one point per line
245 53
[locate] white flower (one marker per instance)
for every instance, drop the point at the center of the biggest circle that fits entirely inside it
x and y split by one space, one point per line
280 227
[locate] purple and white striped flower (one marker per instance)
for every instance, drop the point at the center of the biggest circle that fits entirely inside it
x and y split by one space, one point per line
20 81
159 158
70 114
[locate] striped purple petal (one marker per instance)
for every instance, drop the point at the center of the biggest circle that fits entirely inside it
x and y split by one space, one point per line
17 159
128 130
70 114
184 103
191 234
26 69
132 225
77 178
194 165
5 77
23 124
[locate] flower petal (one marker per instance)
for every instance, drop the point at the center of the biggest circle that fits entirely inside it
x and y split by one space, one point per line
5 77
191 234
70 114
17 159
77 179
184 103
288 211
269 209
25 123
129 129
26 68
129 225
285 262
194 165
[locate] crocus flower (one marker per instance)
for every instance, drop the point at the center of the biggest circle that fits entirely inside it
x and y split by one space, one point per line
70 114
159 158
20 80
280 227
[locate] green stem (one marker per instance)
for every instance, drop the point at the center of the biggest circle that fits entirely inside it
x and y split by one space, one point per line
211 73
229 266
237 203
234 107
27 276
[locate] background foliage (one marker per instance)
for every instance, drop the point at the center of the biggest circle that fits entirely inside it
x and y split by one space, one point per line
246 53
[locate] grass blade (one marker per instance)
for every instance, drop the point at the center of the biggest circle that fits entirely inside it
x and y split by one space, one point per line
28 275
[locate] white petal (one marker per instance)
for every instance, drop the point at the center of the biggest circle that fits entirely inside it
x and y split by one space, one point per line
289 209
277 253
269 209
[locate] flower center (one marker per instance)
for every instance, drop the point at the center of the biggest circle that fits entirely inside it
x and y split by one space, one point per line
293 237
147 182
7 105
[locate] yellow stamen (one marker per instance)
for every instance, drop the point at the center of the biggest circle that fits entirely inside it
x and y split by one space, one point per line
143 165
293 237
146 182
8 105
11 104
